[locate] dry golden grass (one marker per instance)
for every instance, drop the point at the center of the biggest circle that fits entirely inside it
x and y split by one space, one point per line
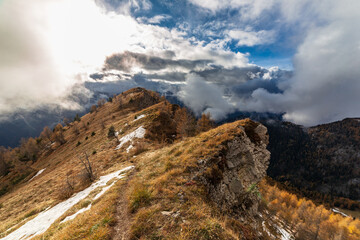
176 208
95 223
46 189
161 182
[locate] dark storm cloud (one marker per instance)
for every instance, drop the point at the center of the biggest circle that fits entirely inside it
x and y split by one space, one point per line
127 60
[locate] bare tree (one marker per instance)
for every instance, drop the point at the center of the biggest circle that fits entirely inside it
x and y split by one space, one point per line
88 167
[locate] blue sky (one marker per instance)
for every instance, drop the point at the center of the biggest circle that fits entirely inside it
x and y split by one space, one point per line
198 21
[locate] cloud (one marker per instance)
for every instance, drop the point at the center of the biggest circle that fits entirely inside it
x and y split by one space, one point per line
251 38
326 82
154 20
48 48
128 60
201 96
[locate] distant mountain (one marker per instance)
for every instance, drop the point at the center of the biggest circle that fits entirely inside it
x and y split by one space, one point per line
324 158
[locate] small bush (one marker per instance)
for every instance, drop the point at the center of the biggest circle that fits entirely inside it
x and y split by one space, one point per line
139 148
65 191
86 138
140 197
94 152
111 132
93 134
78 143
3 190
77 118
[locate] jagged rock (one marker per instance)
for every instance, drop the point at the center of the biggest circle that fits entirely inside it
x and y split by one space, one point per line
242 164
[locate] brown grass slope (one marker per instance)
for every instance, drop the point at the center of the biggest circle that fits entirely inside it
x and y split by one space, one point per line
61 161
160 201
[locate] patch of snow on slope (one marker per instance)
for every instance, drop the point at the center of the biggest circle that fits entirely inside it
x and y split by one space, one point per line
140 117
138 133
129 148
71 217
103 191
43 220
335 210
37 174
285 235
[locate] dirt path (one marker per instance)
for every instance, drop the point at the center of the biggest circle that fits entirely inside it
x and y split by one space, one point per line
123 216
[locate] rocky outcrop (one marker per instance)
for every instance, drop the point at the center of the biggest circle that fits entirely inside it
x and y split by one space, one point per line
138 98
231 176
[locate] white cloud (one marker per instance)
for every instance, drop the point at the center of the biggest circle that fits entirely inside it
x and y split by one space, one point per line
55 44
201 96
155 20
251 38
326 84
249 9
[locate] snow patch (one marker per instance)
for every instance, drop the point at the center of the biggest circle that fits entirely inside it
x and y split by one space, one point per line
37 174
129 148
43 220
335 210
285 235
71 217
138 133
139 117
103 191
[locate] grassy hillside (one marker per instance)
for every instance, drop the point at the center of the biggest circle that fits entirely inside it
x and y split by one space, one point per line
180 166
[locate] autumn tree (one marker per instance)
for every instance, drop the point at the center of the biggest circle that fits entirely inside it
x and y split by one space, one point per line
205 123
93 109
3 165
28 149
46 134
76 129
59 134
66 121
185 123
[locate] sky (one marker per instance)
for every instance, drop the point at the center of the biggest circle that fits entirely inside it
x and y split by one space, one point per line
299 58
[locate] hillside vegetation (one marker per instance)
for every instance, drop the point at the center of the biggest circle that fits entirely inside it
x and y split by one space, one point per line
185 179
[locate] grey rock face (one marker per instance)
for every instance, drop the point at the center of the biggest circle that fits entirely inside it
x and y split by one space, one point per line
232 176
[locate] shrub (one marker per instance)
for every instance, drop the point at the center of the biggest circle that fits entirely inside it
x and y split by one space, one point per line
77 118
78 143
140 197
93 109
94 152
93 134
111 132
139 148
